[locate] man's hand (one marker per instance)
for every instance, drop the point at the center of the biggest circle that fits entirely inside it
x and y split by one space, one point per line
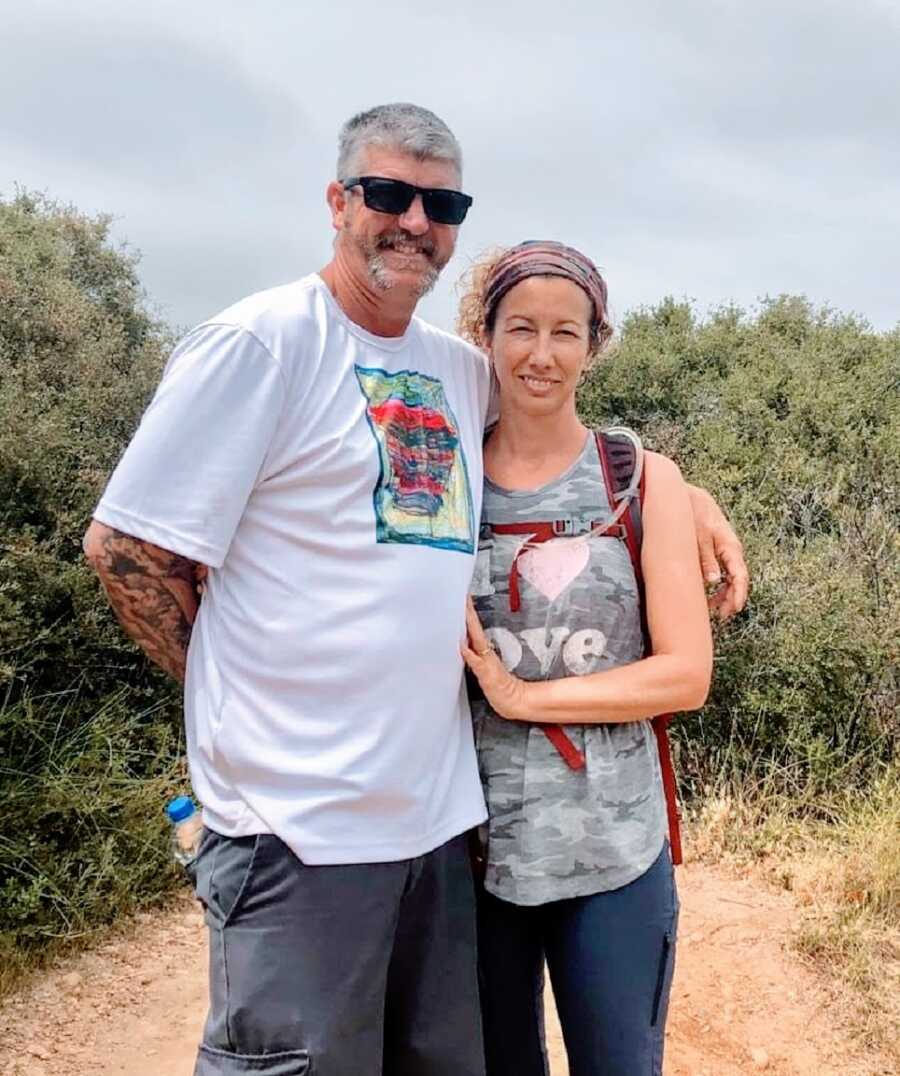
506 693
720 551
153 592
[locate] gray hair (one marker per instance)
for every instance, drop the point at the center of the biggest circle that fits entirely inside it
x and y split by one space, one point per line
405 127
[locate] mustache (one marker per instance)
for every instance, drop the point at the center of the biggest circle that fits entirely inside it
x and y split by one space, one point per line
421 244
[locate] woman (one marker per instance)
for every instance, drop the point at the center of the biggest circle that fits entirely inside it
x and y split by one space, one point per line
578 871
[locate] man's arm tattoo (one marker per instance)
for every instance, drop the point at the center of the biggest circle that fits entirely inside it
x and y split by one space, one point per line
153 593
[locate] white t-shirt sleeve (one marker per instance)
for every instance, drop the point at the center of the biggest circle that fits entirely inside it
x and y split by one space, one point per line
492 410
186 477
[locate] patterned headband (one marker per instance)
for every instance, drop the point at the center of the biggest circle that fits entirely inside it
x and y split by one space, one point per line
545 258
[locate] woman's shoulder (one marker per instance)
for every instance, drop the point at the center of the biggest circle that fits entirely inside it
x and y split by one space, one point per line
657 469
662 471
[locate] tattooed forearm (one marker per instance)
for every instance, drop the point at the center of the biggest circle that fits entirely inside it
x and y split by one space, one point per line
153 593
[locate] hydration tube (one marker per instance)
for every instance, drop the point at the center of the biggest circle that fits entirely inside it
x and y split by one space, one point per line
623 499
619 508
633 488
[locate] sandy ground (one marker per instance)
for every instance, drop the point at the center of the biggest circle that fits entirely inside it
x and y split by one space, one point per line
741 1003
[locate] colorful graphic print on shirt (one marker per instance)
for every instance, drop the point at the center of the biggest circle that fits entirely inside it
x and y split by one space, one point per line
422 495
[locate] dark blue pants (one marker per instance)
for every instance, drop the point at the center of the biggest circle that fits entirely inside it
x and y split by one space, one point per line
610 957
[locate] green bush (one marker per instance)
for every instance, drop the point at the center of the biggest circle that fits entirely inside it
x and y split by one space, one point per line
791 418
89 732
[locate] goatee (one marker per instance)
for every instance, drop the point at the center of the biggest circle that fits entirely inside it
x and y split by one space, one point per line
379 271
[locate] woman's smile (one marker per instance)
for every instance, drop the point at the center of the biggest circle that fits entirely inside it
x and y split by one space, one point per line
540 386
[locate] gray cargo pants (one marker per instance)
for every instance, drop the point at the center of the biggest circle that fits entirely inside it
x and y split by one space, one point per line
359 970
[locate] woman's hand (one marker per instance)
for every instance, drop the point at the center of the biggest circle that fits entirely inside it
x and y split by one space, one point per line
506 693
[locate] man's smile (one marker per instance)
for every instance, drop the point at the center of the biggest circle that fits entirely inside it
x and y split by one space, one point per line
406 246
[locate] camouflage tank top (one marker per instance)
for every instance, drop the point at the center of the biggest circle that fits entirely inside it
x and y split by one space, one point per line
554 832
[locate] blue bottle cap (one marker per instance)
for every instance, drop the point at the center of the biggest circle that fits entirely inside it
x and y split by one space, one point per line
180 808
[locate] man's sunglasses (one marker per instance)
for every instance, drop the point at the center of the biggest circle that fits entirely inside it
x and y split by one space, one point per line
395 197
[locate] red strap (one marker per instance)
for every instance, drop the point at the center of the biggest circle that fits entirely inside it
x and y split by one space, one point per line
539 532
556 735
660 723
670 785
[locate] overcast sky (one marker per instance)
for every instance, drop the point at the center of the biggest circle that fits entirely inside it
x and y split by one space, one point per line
711 149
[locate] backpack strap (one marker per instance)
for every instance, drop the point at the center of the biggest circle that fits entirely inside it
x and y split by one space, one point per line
618 460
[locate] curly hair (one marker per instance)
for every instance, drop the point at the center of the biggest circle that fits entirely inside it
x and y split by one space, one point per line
471 288
475 323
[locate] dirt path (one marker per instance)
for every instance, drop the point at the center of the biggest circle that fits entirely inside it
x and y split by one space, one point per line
741 1003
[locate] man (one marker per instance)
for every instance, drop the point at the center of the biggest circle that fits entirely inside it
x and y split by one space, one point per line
318 449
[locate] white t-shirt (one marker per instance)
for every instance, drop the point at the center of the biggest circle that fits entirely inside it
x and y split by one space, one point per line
332 481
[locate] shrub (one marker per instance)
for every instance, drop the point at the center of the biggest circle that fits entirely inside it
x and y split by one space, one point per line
89 732
791 418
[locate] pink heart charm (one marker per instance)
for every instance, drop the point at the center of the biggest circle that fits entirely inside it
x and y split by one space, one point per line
551 566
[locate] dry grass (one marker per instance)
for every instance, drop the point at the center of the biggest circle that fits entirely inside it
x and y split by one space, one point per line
841 860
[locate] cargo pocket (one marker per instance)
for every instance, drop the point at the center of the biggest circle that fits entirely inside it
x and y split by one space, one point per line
663 978
213 1062
661 1002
